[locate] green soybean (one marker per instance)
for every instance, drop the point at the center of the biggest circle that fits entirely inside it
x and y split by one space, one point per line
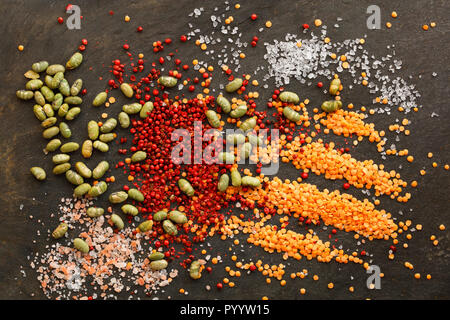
186 187
73 100
57 101
248 124
72 113
83 170
226 157
223 183
117 220
95 212
60 231
145 226
124 120
60 158
126 89
48 94
100 146
254 139
194 270
98 189
130 209
69 147
30 74
133 108
178 217
75 60
24 94
239 111
291 114
64 87
138 156
235 138
168 81
61 168
74 178
49 82
50 132
47 123
118 197
234 85
289 97
236 179
86 149
146 108
224 104
100 170
40 66
135 194
334 86
62 111
39 98
76 87
65 130
34 84
155 256
213 118
56 80
158 265
55 68
331 106
48 110
39 112
52 145
81 190
169 228
109 125
81 245
93 130
251 182
38 173
100 99
107 137
160 215
246 150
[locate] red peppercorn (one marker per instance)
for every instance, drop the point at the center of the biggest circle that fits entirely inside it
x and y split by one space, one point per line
304 175
168 41
320 84
60 20
252 267
219 285
253 43
81 48
183 38
346 186
161 60
126 46
253 17
305 26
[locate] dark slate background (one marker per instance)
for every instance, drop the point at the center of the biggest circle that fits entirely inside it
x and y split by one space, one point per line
33 24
